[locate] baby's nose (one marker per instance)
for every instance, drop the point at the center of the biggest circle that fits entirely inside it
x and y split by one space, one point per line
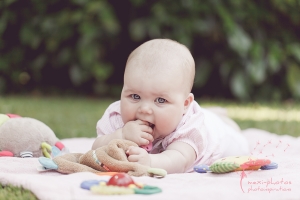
145 108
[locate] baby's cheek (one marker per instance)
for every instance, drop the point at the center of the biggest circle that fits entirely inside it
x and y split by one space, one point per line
127 115
164 129
167 126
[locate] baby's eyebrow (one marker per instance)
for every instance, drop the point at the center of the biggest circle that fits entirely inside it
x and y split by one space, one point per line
130 91
164 95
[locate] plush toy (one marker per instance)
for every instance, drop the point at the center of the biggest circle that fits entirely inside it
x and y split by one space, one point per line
236 163
109 158
27 137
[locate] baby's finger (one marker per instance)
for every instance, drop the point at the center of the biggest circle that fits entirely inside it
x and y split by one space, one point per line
146 128
141 122
133 158
128 150
147 136
132 150
143 141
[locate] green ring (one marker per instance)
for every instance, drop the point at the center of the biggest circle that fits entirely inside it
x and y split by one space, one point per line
147 189
157 172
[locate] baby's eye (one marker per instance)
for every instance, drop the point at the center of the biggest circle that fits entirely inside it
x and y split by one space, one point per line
160 100
135 96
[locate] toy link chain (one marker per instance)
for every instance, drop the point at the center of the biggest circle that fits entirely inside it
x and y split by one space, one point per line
98 162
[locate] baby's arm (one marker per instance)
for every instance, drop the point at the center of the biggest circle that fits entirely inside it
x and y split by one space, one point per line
105 139
177 158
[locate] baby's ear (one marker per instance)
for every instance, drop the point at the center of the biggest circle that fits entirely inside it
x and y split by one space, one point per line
188 102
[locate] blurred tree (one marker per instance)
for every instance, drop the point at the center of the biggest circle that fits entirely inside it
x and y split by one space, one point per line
247 50
60 45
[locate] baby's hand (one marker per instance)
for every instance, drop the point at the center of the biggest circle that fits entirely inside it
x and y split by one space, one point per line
139 155
138 131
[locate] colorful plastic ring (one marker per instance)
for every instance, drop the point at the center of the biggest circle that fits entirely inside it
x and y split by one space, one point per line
202 168
26 154
88 184
272 165
147 189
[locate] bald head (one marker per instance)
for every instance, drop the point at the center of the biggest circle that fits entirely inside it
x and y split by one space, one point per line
163 56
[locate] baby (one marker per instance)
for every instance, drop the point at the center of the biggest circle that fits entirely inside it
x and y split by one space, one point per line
158 108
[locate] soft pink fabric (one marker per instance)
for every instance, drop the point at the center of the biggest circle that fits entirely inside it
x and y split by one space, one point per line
205 132
283 183
13 115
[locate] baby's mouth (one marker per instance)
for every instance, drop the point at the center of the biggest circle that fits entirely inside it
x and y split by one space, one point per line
151 125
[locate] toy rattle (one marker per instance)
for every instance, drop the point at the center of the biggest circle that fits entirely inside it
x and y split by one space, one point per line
236 163
120 183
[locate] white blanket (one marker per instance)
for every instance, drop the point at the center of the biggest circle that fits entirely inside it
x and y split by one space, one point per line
281 183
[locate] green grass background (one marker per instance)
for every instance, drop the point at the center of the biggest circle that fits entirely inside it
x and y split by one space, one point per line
77 117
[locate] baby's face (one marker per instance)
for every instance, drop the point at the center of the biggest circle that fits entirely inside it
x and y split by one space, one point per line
157 98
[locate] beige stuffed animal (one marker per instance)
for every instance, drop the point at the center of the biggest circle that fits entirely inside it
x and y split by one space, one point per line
109 158
26 137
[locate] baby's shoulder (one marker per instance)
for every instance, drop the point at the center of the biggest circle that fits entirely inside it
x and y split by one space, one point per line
113 108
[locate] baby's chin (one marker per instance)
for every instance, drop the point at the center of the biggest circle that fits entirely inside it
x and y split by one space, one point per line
158 136
155 134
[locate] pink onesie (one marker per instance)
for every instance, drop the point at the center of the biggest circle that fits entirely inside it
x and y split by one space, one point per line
203 130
